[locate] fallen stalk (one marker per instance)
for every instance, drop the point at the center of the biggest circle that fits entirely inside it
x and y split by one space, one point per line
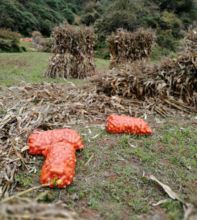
23 193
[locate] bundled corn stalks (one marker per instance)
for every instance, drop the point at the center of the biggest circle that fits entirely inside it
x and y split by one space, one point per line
180 77
68 66
135 80
191 40
73 52
40 43
127 47
175 79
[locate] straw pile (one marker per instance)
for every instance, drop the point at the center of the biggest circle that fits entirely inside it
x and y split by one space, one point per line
134 80
191 40
73 52
127 46
175 79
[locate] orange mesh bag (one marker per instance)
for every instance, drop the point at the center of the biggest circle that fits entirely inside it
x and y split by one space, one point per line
126 124
58 146
38 140
59 167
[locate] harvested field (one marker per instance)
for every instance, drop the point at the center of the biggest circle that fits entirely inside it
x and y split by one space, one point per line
117 176
107 164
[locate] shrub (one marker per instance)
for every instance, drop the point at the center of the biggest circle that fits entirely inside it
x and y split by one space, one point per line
165 39
7 34
89 18
69 15
40 43
9 41
159 52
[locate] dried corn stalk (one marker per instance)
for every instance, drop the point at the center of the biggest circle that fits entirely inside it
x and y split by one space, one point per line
28 209
68 66
73 52
172 78
127 46
191 40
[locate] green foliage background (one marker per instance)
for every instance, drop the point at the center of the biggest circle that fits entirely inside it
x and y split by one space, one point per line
169 18
25 16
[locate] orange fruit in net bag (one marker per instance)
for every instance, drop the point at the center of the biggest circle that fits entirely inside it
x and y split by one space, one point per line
125 124
59 147
59 167
39 140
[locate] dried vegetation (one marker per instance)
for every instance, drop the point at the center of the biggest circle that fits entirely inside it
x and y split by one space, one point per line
191 40
40 43
172 82
73 52
28 209
126 47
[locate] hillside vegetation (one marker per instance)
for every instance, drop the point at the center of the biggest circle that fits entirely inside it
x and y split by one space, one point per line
169 19
25 16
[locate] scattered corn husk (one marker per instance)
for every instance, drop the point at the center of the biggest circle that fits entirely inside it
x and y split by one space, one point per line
49 106
189 209
127 46
73 52
28 209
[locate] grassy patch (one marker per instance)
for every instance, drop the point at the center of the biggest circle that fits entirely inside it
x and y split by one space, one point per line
102 64
109 178
29 67
24 180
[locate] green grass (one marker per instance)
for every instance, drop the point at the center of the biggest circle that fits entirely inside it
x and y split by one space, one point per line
115 174
109 178
29 67
27 45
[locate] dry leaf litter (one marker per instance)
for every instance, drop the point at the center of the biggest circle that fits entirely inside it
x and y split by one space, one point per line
28 209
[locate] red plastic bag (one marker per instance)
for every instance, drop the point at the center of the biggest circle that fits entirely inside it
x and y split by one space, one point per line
59 167
126 124
39 140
